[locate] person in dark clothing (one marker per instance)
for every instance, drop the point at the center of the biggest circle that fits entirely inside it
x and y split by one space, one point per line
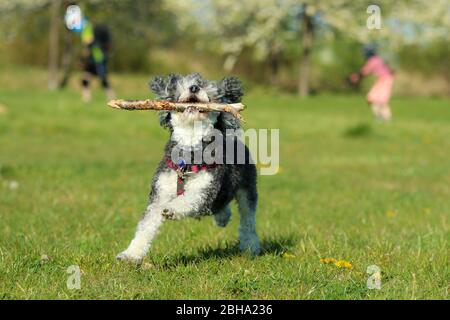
96 46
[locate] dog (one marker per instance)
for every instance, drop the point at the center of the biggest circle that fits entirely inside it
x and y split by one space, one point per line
183 187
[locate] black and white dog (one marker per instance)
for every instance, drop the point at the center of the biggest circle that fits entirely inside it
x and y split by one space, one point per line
184 186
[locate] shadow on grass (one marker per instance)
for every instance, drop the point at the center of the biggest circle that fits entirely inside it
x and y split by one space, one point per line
274 246
360 130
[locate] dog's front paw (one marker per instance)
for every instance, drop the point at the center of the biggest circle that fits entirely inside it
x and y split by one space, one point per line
250 244
169 214
222 218
127 257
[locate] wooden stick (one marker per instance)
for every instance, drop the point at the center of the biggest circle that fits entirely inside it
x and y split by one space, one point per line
233 108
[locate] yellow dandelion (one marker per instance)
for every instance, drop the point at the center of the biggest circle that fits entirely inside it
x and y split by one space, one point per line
287 255
343 264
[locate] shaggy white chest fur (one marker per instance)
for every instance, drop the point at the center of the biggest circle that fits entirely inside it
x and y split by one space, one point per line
189 133
187 136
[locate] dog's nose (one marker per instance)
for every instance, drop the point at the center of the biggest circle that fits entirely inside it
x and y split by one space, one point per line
194 88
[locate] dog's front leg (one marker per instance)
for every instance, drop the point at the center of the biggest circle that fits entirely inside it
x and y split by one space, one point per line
196 199
146 231
163 191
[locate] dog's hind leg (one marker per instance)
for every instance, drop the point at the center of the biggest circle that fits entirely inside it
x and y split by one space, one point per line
222 217
248 239
146 231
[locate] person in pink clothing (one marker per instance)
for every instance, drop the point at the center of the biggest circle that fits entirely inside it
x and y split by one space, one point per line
380 93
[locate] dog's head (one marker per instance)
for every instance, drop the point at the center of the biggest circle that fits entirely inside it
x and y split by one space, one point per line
194 88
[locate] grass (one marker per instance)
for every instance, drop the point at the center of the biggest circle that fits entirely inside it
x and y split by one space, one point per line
74 180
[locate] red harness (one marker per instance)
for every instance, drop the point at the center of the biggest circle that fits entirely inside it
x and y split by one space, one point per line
184 171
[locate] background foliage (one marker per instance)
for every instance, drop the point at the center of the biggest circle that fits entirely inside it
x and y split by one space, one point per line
258 40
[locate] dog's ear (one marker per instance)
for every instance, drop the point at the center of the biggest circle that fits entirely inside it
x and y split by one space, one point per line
196 77
230 90
172 82
159 86
162 88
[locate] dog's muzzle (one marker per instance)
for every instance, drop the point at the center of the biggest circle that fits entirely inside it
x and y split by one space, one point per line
190 110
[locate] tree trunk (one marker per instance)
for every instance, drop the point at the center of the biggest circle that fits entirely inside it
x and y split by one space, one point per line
307 39
66 61
53 50
274 62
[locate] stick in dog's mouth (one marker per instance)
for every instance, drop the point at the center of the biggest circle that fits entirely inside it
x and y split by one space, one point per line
192 101
233 108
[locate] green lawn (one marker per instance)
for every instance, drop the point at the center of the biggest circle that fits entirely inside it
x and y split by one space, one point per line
74 181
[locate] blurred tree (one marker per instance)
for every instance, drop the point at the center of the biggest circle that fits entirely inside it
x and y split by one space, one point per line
235 26
268 26
429 60
53 47
9 5
404 21
268 41
136 27
55 10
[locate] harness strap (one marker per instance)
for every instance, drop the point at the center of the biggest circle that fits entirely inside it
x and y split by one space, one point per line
183 171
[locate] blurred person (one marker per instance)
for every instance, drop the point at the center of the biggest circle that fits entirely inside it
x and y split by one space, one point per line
96 43
380 93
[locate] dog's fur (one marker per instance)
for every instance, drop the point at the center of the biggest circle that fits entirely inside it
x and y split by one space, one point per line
207 192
